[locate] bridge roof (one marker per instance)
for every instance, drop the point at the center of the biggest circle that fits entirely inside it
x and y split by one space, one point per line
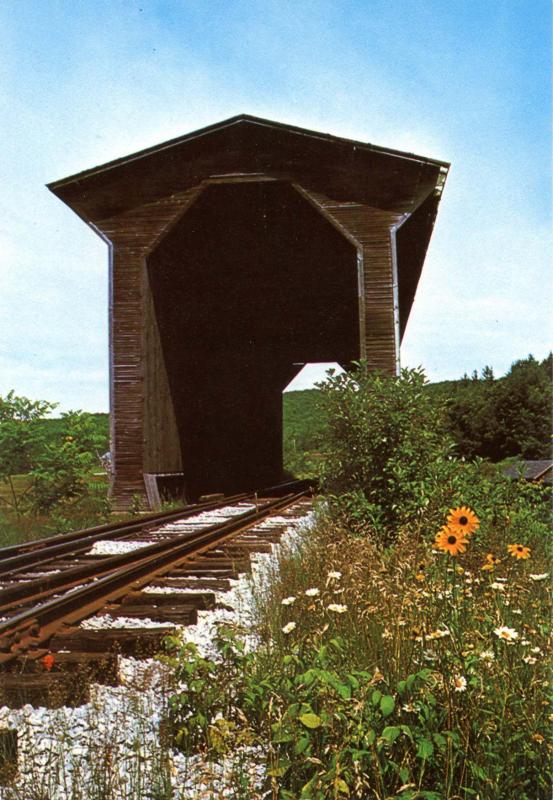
347 172
341 168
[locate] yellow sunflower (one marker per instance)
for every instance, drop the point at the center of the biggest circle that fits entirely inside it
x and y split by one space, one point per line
519 550
463 520
451 541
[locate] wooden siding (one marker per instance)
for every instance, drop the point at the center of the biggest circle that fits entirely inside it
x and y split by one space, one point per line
371 228
139 428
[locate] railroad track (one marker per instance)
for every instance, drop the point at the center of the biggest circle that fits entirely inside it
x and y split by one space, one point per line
162 568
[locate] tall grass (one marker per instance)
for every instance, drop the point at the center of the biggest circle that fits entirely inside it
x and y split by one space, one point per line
397 673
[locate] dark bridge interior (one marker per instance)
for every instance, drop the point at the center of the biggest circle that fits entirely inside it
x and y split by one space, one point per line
248 285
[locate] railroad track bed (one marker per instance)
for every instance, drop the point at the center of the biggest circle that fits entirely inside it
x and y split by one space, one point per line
73 608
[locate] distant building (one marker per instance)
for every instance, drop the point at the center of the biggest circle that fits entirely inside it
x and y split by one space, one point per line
532 470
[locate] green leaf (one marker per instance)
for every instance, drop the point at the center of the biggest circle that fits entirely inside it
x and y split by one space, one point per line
278 771
370 736
425 749
375 697
311 720
407 731
391 733
387 705
301 745
344 690
341 786
440 740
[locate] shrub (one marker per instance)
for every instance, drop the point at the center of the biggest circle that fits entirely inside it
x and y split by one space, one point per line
387 452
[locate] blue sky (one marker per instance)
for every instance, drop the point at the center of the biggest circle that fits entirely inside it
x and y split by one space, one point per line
467 81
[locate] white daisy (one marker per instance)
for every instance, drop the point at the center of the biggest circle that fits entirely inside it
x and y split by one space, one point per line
508 634
289 627
541 577
312 592
287 601
459 683
487 655
335 574
337 608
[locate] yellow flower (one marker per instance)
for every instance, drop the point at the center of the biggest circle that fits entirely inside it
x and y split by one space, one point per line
463 520
519 550
451 541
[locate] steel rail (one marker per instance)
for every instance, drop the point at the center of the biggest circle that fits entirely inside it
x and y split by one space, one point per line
31 551
36 625
75 543
34 590
31 591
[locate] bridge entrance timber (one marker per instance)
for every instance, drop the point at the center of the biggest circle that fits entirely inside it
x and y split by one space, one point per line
238 253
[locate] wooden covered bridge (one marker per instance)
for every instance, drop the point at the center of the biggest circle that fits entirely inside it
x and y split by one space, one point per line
238 253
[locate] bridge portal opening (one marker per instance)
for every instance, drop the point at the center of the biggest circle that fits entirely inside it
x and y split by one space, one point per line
248 285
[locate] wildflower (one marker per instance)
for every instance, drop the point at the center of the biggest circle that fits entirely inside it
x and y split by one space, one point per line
517 611
312 592
463 520
289 627
429 655
334 574
487 655
518 550
439 634
499 587
48 661
491 562
287 601
535 650
508 634
337 608
410 707
377 676
450 541
541 577
420 576
529 659
459 683
537 737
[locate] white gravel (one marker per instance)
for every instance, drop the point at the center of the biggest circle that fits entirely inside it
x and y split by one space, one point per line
64 754
106 622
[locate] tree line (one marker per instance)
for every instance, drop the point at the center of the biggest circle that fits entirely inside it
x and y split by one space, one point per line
498 418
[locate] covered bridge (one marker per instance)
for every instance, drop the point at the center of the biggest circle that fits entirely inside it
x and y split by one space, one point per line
238 253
